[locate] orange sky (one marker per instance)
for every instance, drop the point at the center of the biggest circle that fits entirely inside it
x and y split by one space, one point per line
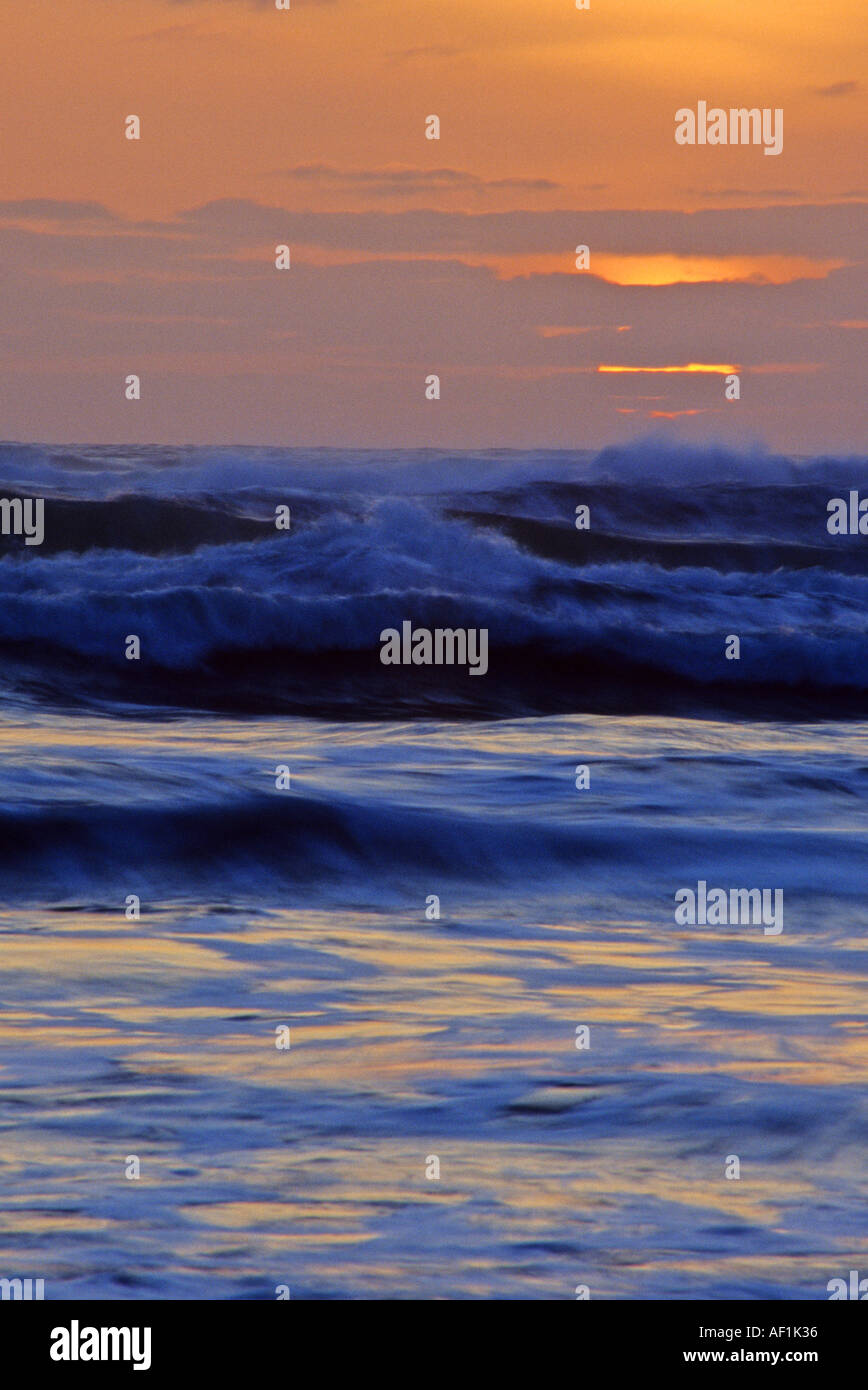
549 114
231 92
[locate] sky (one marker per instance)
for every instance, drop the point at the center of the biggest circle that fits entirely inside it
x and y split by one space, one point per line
412 257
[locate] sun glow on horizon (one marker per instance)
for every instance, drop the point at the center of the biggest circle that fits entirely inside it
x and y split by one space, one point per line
715 368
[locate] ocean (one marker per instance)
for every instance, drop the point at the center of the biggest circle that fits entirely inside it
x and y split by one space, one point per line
374 970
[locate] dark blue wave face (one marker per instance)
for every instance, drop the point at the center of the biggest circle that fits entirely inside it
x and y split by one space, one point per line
631 613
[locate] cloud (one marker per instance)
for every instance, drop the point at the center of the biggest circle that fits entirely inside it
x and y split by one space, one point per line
838 89
54 210
827 231
404 181
231 349
746 192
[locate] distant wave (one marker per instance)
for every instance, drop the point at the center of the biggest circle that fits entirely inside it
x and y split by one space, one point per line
101 471
344 847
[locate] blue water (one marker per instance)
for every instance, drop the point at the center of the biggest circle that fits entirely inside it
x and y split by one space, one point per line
415 1036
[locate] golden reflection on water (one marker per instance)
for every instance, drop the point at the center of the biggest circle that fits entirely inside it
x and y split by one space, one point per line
406 1002
115 1024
